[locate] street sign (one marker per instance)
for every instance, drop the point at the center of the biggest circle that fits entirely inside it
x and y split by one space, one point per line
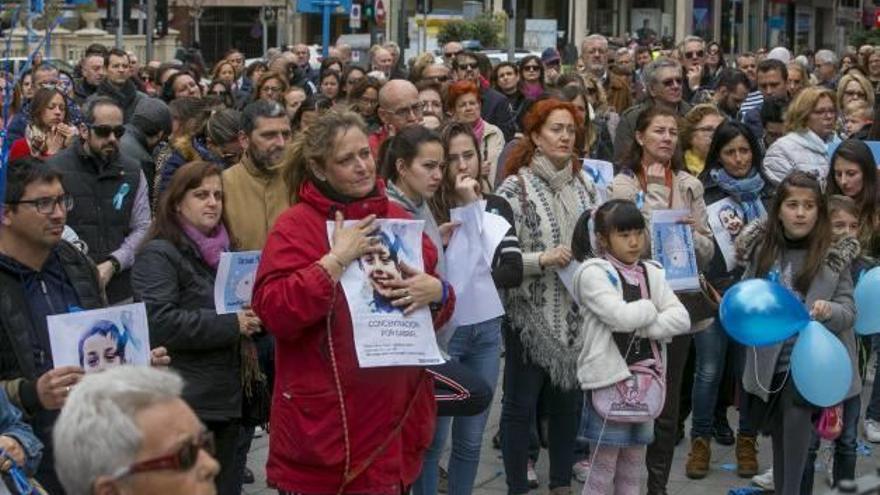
380 12
317 6
354 18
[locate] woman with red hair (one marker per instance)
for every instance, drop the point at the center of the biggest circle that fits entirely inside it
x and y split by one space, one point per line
463 105
547 192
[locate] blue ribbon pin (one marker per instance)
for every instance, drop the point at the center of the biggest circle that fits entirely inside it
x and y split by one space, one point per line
119 197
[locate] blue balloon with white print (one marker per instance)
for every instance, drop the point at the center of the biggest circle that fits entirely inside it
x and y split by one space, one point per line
761 312
820 366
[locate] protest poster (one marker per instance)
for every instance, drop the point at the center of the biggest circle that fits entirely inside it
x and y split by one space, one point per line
234 285
100 339
727 220
672 245
473 246
600 173
383 335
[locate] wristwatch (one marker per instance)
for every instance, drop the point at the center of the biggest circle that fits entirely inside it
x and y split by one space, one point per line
117 267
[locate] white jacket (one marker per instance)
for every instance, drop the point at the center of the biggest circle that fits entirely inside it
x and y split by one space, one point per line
598 289
803 150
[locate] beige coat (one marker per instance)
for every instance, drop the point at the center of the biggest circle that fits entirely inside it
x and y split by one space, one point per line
687 194
252 201
490 150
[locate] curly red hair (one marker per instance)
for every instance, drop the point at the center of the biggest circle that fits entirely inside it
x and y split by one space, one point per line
458 89
521 155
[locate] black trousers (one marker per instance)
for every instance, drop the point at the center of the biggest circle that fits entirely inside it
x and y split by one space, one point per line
226 435
659 455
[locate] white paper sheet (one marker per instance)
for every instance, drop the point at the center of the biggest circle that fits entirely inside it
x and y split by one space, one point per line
469 272
494 229
672 245
234 285
566 275
383 336
100 339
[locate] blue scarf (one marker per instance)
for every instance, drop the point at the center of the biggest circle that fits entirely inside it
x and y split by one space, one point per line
746 191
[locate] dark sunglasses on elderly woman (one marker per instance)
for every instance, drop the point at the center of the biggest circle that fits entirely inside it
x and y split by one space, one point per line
104 131
181 460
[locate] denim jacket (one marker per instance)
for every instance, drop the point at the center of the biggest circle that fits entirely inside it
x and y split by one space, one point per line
11 425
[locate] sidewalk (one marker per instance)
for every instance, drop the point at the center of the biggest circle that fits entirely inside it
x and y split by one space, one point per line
490 477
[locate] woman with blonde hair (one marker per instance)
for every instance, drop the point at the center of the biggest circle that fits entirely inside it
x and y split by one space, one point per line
798 78
697 131
810 123
600 111
854 86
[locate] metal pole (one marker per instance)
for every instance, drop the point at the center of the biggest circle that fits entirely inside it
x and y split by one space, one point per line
119 8
265 29
30 27
511 33
325 27
423 32
151 21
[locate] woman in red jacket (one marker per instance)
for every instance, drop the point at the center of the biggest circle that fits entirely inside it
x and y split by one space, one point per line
336 427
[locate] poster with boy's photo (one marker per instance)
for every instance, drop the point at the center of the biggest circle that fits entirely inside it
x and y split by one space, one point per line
672 245
100 339
234 285
601 173
383 335
727 220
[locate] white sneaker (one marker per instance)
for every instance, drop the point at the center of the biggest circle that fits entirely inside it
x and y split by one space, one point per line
872 431
764 480
532 475
581 470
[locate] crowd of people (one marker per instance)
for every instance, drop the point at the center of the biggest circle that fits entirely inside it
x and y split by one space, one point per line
126 182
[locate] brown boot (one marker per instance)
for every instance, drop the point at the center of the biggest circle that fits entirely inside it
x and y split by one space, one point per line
746 456
697 466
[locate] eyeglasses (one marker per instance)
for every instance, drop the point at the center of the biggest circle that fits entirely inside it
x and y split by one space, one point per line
855 94
552 63
182 460
531 68
675 81
415 110
104 131
46 205
470 66
272 89
451 54
696 54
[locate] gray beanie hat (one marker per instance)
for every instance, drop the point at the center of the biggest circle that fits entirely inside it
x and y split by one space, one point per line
151 115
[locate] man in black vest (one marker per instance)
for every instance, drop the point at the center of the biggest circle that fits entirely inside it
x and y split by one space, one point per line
40 275
111 211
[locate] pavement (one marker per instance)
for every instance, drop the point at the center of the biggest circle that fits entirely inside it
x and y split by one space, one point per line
721 479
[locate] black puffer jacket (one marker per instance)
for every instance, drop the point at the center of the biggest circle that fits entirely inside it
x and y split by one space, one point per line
178 290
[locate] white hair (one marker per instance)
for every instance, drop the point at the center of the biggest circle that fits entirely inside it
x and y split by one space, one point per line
826 57
595 37
96 434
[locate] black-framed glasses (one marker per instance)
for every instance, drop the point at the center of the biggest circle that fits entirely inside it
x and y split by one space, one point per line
696 54
531 68
415 109
46 205
181 460
470 66
103 130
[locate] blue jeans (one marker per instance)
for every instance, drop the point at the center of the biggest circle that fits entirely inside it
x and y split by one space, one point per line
711 347
844 448
478 348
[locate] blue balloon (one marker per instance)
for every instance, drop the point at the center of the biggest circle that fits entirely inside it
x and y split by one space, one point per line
820 366
867 298
760 312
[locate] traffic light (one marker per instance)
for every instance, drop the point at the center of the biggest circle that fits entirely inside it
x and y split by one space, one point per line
368 10
162 17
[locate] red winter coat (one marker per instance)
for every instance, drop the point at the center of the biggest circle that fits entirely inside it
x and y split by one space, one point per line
293 297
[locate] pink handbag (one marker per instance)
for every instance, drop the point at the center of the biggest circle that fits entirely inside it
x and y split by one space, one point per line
829 426
636 399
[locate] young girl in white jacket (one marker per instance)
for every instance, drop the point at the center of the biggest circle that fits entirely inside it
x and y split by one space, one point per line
628 304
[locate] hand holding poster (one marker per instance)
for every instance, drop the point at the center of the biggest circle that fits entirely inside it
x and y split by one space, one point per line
672 245
101 338
383 335
234 285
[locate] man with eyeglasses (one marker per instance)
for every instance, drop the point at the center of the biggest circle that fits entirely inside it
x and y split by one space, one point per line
118 85
664 85
399 108
40 275
171 451
110 192
594 53
692 51
450 51
493 105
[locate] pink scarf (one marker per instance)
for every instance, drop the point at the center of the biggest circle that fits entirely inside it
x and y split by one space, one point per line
210 246
479 127
532 91
633 274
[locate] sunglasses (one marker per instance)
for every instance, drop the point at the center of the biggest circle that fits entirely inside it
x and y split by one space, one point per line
450 54
470 66
531 68
182 460
104 131
675 81
696 54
